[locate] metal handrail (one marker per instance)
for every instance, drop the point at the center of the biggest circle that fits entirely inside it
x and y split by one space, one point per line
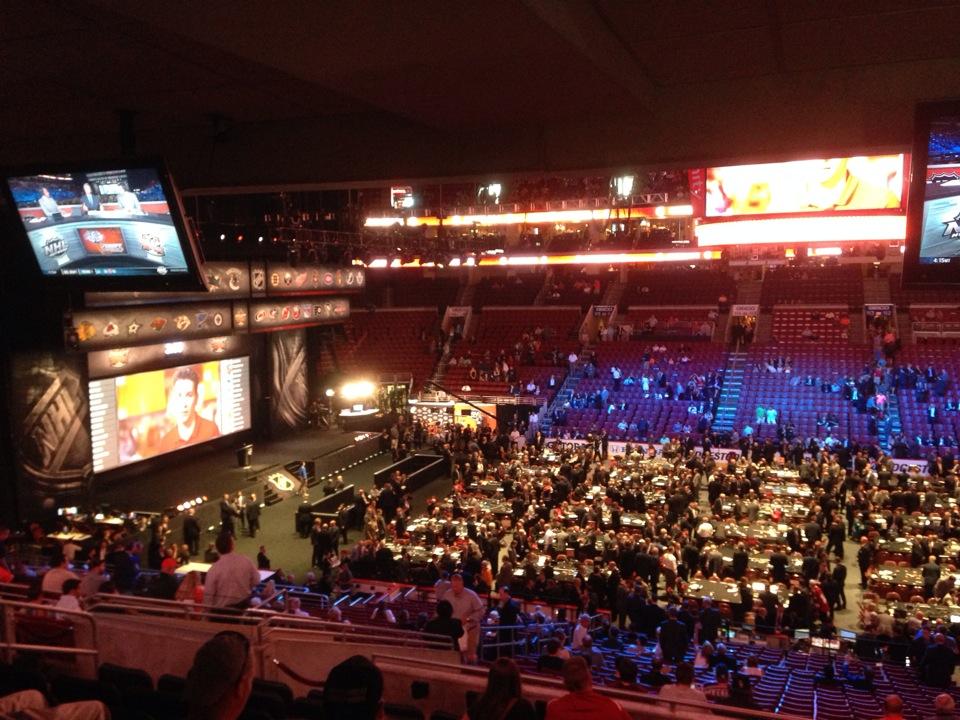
8 641
615 693
167 608
356 632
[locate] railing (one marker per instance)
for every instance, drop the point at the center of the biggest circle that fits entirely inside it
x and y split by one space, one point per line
13 612
633 702
935 329
346 632
596 203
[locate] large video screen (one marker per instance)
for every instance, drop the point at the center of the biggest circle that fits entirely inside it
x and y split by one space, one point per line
105 223
940 225
135 417
826 185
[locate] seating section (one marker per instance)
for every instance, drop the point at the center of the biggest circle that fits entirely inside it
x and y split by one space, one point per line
795 401
825 326
415 290
514 291
670 322
840 285
939 355
678 287
576 289
923 294
499 332
660 416
406 333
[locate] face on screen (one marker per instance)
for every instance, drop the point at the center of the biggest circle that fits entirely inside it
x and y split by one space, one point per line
104 223
135 417
183 400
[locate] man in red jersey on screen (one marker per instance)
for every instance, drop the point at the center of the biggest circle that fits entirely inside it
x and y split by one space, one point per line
190 427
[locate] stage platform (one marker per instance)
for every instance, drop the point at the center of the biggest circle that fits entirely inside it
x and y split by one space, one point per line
216 472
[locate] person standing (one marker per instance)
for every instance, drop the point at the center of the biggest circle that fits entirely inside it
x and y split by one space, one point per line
232 578
253 515
468 609
240 505
303 476
227 513
191 531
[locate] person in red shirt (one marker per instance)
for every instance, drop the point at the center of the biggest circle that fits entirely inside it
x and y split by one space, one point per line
582 702
190 427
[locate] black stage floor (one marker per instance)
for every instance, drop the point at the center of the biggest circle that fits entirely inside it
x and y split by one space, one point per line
216 472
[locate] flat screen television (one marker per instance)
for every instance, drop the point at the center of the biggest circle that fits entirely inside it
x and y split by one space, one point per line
932 253
136 417
116 225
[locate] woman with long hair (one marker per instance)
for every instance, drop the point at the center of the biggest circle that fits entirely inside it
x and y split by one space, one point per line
503 699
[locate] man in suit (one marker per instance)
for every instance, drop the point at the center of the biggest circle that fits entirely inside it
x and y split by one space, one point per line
253 515
710 620
937 664
509 613
191 532
89 201
740 561
673 638
930 573
227 514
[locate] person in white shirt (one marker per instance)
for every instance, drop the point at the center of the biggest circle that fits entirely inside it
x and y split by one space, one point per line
293 607
580 632
49 206
468 609
69 599
57 575
231 579
129 202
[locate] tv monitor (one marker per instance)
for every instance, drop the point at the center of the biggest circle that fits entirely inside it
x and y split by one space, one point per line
932 253
108 226
136 417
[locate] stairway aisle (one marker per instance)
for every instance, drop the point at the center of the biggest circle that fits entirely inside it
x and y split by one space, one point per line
730 393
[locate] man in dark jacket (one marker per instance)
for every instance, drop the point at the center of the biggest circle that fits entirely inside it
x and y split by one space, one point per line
253 515
445 624
937 664
710 621
740 561
191 532
673 638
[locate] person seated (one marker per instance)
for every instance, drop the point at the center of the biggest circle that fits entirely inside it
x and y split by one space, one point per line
655 677
221 677
552 659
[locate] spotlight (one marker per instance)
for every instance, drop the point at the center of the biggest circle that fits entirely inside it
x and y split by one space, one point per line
199 500
260 239
330 392
357 390
223 236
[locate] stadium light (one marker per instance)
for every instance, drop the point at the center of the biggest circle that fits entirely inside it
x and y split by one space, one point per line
357 390
624 185
330 392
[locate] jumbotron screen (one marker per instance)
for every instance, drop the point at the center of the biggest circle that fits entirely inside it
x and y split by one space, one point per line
826 185
135 417
107 223
940 227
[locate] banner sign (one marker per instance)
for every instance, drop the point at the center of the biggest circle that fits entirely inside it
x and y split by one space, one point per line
273 315
147 325
603 310
744 310
301 280
131 360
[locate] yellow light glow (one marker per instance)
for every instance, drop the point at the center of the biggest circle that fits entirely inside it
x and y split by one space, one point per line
357 390
819 229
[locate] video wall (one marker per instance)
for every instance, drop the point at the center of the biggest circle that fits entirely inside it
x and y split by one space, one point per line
135 417
873 182
940 229
100 224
